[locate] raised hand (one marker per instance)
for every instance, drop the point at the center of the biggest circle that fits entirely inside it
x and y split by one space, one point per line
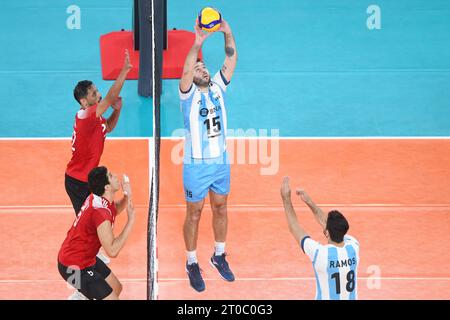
130 210
200 36
303 195
126 187
285 189
127 63
224 27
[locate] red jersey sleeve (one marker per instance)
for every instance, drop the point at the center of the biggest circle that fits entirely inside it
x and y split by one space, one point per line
100 216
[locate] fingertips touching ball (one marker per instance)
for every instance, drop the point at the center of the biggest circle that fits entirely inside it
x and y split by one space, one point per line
209 19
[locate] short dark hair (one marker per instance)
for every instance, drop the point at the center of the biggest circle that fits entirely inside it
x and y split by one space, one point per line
81 90
97 180
337 226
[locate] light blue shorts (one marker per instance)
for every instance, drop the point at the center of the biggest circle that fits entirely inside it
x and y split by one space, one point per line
200 176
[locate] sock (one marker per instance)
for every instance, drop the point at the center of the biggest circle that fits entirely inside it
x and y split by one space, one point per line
219 248
191 256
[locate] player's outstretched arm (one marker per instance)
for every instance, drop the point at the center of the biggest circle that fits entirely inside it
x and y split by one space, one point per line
230 51
127 195
113 93
294 227
105 233
319 215
114 117
191 59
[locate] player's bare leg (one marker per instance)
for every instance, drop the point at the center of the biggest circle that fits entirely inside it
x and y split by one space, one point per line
112 296
220 218
115 284
190 228
190 231
220 226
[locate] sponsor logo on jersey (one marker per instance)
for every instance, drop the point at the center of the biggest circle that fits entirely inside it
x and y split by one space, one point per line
204 112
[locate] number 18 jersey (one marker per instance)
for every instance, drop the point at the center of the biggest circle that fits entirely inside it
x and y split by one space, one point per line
335 268
205 120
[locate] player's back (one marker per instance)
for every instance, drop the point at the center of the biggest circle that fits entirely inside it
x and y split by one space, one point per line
335 269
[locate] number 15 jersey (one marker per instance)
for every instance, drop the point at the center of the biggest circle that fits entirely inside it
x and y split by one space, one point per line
205 120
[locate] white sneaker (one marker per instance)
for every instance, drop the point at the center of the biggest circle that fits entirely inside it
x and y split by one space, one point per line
77 295
103 257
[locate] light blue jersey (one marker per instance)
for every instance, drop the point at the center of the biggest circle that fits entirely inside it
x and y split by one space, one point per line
205 120
335 268
206 165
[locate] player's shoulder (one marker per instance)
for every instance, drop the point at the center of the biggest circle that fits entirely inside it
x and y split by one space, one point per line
310 244
219 81
100 204
86 112
348 239
185 95
314 249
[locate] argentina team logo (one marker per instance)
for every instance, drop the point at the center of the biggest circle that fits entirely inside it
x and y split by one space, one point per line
203 112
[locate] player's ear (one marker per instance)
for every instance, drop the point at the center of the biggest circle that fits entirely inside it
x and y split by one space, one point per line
84 102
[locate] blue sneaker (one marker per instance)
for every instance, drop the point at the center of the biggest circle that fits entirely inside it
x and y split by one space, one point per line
221 265
195 277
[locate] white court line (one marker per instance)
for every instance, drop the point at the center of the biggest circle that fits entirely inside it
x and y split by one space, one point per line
69 138
41 207
132 280
311 278
29 209
363 205
252 138
330 138
249 205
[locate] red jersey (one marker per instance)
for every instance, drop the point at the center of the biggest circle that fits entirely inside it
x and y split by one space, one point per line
82 243
88 140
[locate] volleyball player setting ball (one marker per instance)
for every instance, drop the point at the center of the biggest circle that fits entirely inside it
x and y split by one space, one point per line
206 167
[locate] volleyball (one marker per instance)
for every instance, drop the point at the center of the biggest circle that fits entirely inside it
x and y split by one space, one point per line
209 19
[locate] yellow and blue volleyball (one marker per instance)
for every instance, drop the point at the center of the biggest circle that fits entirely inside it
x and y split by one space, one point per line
209 19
